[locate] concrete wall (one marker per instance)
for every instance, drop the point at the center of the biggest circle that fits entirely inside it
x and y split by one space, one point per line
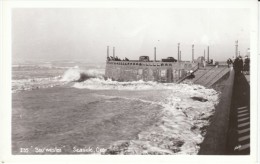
216 138
147 71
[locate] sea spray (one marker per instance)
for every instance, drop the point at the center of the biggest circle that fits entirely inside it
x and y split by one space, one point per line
77 75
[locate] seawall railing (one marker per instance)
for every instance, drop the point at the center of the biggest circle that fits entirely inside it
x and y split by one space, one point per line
149 63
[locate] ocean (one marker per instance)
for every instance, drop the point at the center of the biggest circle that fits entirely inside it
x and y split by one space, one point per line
66 107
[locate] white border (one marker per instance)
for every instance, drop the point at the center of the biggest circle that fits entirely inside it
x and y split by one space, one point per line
5 82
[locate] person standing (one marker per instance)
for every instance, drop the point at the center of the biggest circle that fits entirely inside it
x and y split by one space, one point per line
236 65
229 62
204 63
246 65
240 64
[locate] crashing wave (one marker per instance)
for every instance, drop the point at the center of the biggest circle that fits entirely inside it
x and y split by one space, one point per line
77 75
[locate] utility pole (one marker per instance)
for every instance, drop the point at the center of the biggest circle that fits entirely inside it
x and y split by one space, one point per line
155 54
113 52
193 52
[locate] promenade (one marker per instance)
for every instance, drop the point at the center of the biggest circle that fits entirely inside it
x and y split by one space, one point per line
229 131
239 124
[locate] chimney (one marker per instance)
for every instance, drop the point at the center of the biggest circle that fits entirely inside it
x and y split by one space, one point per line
155 54
107 51
113 52
193 52
208 54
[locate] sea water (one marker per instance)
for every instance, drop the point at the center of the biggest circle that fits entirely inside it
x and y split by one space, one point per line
70 108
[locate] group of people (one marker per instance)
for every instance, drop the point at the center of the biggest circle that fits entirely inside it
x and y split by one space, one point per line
111 58
240 65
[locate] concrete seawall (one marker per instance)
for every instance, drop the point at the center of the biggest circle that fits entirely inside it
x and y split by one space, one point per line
217 133
148 71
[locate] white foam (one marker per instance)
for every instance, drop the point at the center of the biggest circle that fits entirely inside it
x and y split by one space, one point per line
183 119
102 84
35 83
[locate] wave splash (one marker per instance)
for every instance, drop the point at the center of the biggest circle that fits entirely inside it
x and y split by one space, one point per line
77 75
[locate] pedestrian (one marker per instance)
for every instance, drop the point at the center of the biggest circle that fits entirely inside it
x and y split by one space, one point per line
204 63
236 65
229 62
246 65
240 64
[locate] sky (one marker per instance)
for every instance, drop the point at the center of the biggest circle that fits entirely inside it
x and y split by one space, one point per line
84 34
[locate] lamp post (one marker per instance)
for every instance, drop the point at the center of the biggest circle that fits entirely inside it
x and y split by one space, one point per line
154 54
178 51
192 52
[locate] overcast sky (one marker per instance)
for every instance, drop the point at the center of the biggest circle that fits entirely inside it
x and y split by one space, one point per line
84 34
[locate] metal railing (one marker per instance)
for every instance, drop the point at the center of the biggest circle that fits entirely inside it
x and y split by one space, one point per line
149 63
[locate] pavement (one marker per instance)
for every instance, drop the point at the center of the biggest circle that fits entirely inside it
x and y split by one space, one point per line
239 124
209 75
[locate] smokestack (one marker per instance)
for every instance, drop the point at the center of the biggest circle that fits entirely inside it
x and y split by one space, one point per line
113 52
155 54
193 52
180 55
208 54
178 51
107 51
